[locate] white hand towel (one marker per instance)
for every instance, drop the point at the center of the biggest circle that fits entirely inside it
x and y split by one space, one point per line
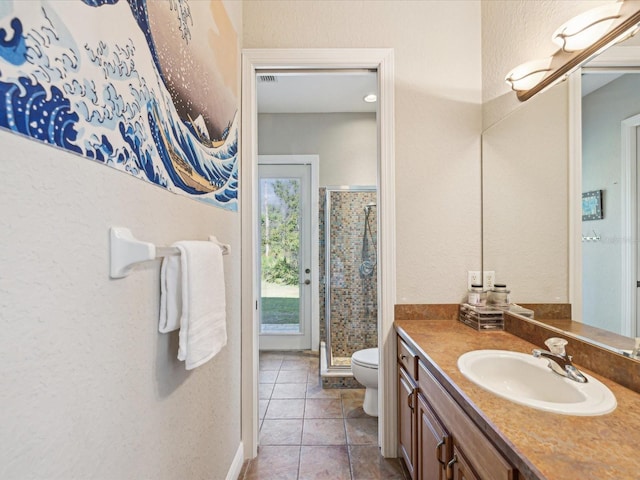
170 294
203 324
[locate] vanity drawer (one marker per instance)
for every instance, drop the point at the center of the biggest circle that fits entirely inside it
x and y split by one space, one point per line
407 359
480 452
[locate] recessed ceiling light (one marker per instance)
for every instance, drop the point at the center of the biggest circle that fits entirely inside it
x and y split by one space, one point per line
371 98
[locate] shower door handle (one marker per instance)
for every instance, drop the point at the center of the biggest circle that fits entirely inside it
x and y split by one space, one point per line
306 282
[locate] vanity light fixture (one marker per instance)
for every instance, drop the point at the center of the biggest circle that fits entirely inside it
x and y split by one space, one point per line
580 39
528 75
371 98
587 28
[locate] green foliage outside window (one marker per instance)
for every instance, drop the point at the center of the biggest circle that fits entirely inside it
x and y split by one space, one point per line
280 234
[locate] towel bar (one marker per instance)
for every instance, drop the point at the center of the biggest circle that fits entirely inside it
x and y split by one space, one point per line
126 251
167 251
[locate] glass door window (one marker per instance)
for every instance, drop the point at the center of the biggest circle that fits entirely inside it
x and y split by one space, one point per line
285 307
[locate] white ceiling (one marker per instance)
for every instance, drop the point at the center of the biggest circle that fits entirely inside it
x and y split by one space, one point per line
316 92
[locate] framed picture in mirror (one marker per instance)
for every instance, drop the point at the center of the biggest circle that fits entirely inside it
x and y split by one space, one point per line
592 205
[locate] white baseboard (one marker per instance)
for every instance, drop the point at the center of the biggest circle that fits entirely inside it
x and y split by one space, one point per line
236 465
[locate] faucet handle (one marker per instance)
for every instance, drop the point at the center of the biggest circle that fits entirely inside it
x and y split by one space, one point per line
556 345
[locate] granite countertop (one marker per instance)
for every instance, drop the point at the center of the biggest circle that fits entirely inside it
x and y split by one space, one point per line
540 444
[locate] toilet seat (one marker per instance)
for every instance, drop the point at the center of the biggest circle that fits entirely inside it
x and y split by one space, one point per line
367 358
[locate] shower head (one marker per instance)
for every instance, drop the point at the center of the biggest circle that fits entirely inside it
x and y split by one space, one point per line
368 206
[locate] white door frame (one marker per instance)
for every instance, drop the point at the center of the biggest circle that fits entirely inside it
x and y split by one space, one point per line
382 61
575 194
629 225
313 162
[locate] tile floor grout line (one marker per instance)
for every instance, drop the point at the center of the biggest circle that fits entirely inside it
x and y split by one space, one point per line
299 460
346 438
304 406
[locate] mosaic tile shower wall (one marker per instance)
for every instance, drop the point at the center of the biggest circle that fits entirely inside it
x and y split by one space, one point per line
353 302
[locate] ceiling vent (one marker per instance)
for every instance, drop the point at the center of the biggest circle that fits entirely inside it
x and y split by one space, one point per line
267 78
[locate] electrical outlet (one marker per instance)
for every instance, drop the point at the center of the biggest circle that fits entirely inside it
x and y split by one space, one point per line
473 278
489 279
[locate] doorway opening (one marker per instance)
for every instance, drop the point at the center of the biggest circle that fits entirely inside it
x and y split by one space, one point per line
609 121
258 63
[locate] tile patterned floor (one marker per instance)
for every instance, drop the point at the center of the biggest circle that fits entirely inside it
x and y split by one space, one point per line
311 433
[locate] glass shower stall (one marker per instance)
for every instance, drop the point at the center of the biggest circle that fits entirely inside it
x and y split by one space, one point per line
349 285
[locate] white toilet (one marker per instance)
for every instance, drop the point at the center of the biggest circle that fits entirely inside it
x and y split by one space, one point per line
364 365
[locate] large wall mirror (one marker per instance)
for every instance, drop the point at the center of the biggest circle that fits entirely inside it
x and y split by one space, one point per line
534 235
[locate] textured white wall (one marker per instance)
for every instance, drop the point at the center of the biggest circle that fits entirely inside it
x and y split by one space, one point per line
345 142
437 121
89 388
602 113
514 32
525 163
525 218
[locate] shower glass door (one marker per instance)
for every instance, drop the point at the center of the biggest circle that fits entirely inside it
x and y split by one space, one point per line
350 265
285 244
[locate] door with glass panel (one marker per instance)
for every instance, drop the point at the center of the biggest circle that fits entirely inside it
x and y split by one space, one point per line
284 256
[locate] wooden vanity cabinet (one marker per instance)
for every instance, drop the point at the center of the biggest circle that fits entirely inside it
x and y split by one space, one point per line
436 438
434 444
460 468
473 456
407 421
407 414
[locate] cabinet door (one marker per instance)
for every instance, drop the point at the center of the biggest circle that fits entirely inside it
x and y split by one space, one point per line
407 420
488 463
434 444
460 467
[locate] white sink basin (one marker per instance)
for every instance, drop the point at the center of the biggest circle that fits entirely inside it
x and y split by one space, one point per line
528 381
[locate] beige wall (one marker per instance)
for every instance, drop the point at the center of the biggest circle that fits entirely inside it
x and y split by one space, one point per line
514 32
525 217
525 153
345 143
437 121
90 389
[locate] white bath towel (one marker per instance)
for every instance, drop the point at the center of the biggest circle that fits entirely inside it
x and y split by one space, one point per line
170 294
203 323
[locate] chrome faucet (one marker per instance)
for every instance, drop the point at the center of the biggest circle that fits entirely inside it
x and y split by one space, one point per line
559 361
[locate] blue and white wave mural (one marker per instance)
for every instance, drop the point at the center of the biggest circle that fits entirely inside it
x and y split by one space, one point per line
146 87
